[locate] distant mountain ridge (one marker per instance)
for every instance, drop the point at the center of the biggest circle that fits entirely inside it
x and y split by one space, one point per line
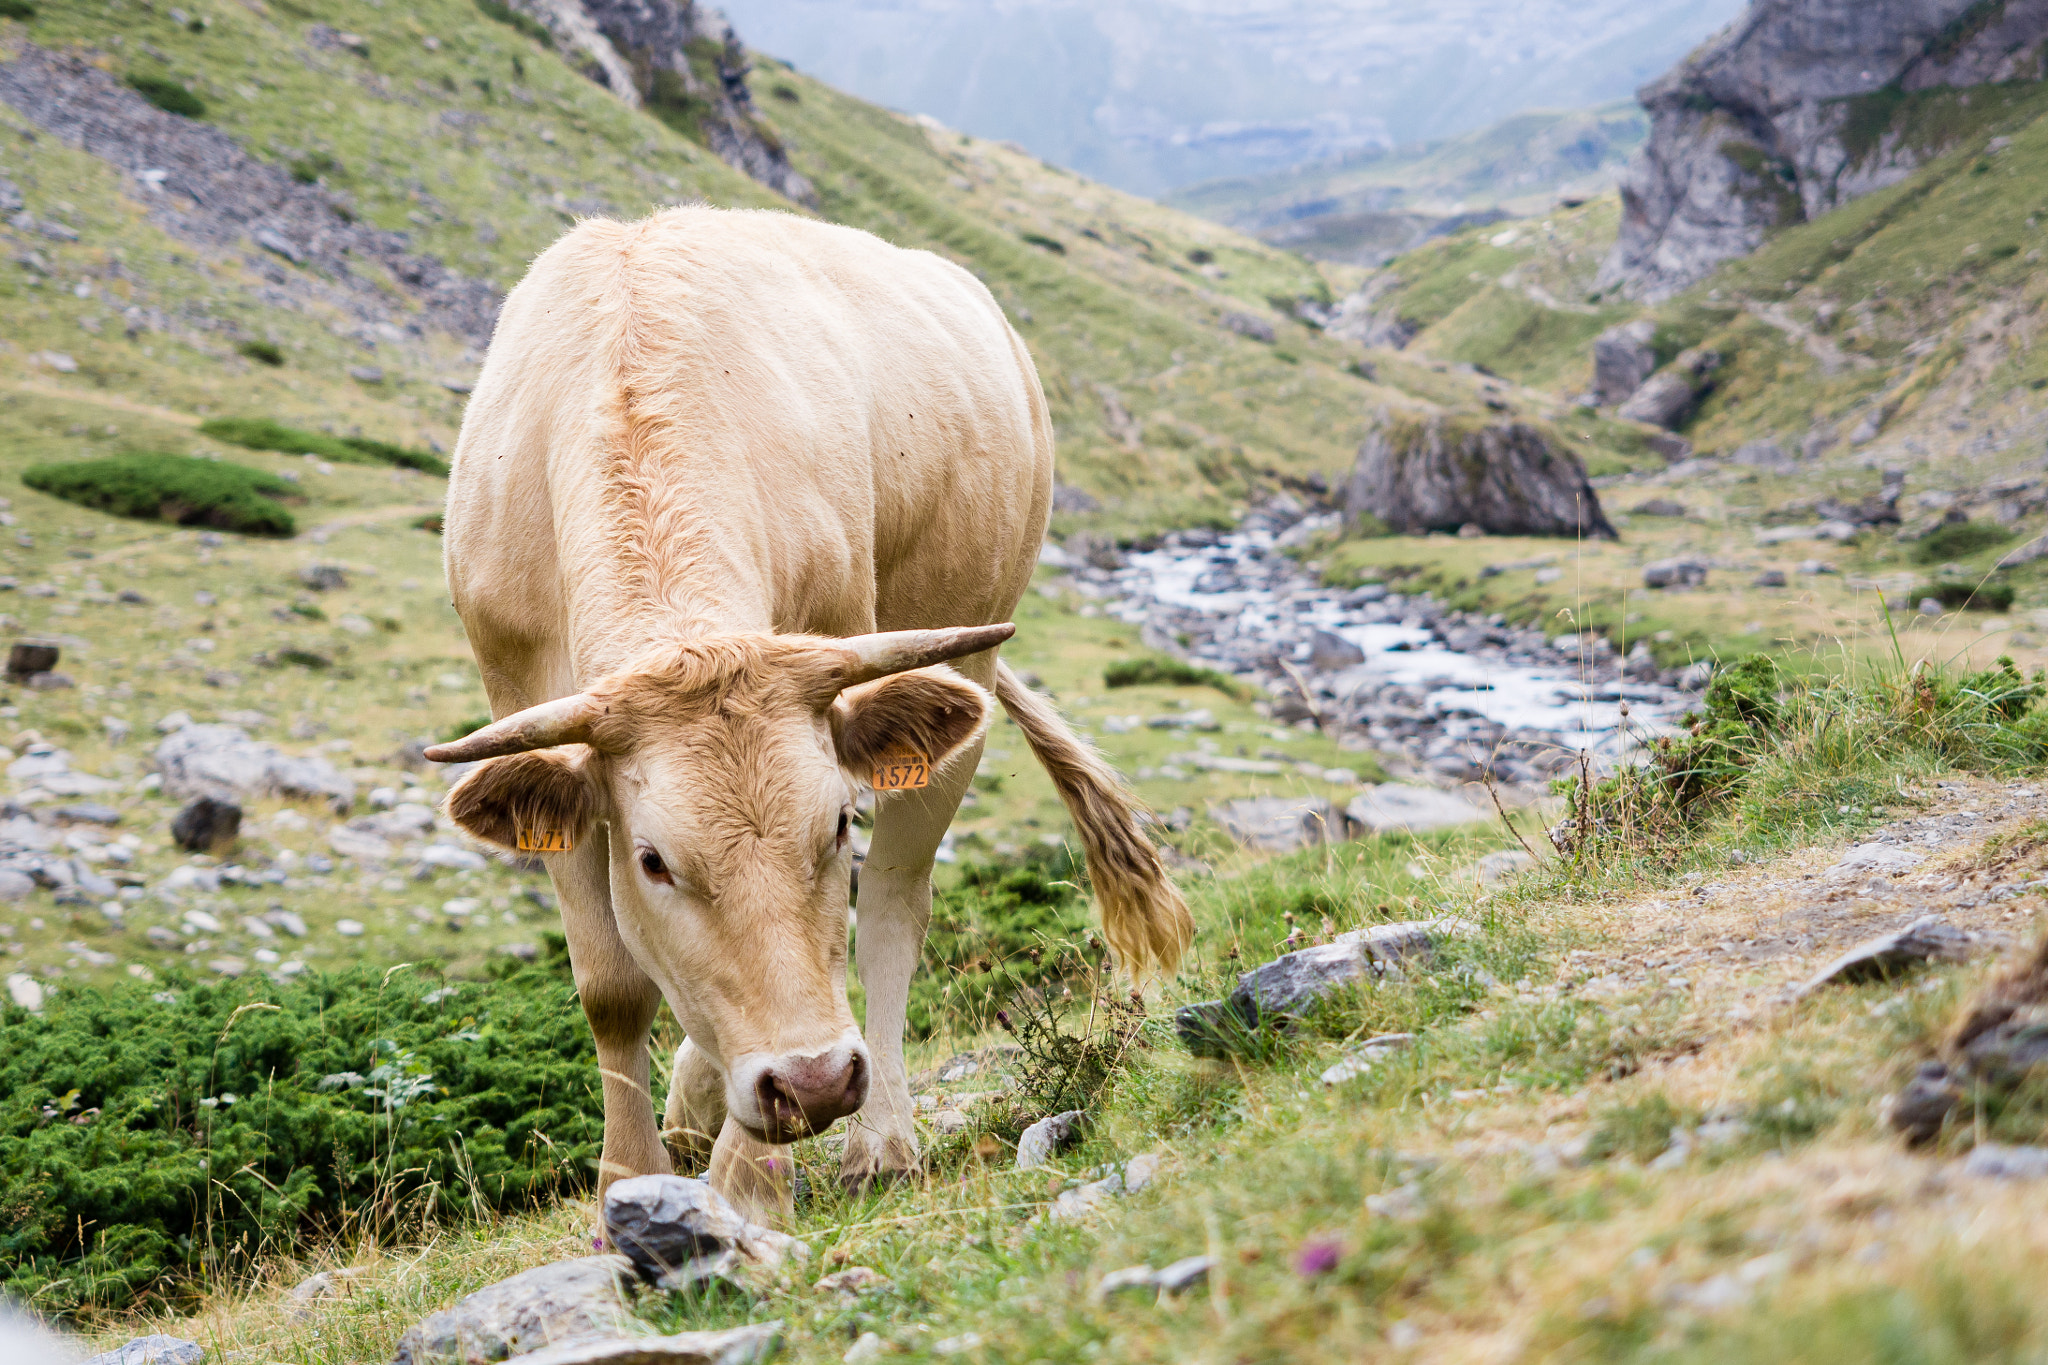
1150 95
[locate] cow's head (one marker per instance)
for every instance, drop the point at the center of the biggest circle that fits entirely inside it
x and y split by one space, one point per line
722 770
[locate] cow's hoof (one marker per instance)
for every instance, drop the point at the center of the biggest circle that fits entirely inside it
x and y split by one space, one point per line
876 1161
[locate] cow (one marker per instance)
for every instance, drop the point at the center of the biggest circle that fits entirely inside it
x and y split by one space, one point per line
740 509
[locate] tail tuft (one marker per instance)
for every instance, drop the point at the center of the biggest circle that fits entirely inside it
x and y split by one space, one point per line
1143 916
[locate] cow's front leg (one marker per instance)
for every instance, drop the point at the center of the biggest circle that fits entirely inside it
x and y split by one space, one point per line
757 1177
895 908
695 1115
619 1000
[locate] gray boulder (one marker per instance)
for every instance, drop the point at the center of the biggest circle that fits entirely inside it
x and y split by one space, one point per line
1684 571
1929 938
567 1301
665 1222
1281 824
1394 806
1442 473
221 761
1668 397
1249 325
748 1345
206 824
156 1349
1622 360
1289 985
1328 652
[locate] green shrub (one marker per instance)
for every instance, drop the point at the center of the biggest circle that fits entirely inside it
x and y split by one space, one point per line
1045 243
1972 596
149 1137
174 488
263 352
168 95
17 9
512 18
308 169
260 433
999 931
1959 540
1158 670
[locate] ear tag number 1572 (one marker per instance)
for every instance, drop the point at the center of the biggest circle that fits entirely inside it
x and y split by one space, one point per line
903 772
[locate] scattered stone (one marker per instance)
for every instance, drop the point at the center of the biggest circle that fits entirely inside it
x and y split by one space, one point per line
1281 824
1438 475
15 884
1660 507
349 928
1287 985
1049 1136
553 1304
25 660
750 1345
1769 578
1877 858
1368 1055
854 1281
89 813
25 991
366 374
1814 568
664 1222
206 825
1992 1161
221 761
1622 359
1762 455
156 1349
1668 397
323 577
1919 1110
866 1350
1415 809
2037 548
1249 325
1499 866
1927 939
1685 571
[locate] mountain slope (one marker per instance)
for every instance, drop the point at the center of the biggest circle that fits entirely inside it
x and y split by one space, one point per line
1370 205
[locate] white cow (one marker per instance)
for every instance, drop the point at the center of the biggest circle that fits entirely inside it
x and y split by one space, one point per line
730 485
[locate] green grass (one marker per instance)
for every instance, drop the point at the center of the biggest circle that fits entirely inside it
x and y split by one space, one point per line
173 488
261 433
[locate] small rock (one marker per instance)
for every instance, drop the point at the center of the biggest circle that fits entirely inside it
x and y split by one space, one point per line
1415 809
1140 1171
26 659
749 1345
1129 1279
1660 507
1769 578
1502 864
1281 824
1330 652
1049 1136
666 1221
1919 1110
1877 858
1249 325
565 1301
1681 572
90 813
960 1345
854 1281
323 577
1183 1274
206 825
1929 938
153 1350
1991 1161
366 374
865 1351
349 928
25 991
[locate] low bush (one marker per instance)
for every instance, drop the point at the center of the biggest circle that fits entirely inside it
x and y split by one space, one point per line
1964 596
263 352
260 433
308 169
512 18
168 95
153 1138
17 9
1959 540
174 488
1156 670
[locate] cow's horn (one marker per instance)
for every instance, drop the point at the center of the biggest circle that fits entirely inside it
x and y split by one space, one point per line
565 720
893 651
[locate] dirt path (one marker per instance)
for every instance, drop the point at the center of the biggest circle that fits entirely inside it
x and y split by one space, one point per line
105 400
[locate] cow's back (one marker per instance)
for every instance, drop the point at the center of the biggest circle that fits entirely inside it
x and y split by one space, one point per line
717 412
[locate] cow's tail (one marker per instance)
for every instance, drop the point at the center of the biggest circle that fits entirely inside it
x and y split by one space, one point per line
1143 916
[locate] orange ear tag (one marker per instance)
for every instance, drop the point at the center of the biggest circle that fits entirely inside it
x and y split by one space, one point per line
902 772
545 841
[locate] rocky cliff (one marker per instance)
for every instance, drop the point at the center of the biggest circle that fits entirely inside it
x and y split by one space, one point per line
680 62
1797 108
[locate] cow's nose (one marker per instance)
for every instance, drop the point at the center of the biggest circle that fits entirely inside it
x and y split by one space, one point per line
800 1096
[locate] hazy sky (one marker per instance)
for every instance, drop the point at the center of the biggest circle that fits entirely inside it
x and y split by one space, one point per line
1151 94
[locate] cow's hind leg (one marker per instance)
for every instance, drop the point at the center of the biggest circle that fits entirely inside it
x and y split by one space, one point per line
895 906
619 1000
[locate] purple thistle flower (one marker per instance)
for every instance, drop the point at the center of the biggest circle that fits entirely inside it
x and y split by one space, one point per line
1318 1256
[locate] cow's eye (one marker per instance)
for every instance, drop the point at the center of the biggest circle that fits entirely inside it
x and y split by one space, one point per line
655 868
845 824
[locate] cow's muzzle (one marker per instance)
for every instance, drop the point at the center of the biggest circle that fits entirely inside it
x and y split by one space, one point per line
796 1096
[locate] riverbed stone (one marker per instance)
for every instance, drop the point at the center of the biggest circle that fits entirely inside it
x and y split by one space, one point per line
155 1349
749 1345
1050 1136
577 1300
1397 806
1281 824
221 761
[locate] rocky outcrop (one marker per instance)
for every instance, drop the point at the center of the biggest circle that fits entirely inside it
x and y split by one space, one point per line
1793 110
1669 396
1623 357
681 62
1445 473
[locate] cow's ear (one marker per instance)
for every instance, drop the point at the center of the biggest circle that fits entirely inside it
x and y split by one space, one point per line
928 713
547 796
